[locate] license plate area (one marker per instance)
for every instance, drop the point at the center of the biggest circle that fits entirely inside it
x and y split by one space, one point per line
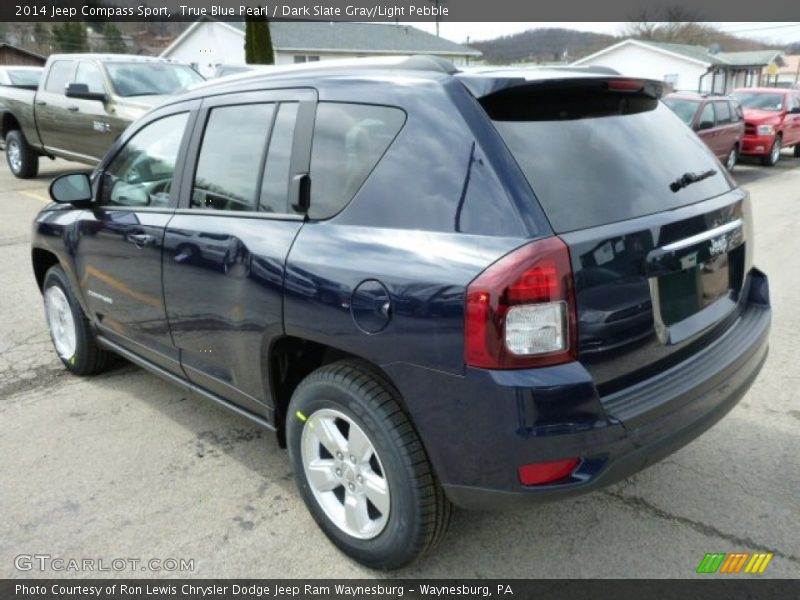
696 282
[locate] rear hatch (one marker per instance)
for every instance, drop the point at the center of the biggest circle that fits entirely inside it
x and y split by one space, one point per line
657 230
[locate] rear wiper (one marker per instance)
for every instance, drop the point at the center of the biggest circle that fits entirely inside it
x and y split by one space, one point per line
689 178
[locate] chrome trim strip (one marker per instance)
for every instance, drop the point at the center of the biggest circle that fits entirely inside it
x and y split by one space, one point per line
702 237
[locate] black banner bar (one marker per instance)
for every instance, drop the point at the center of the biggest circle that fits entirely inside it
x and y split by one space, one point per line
400 10
731 588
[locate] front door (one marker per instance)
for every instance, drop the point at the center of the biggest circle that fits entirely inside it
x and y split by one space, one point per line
50 106
226 248
118 253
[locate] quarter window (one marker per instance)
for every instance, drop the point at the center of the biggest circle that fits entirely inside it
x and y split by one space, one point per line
141 173
349 140
60 73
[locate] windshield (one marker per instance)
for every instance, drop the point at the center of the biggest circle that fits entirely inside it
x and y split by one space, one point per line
597 159
759 100
682 107
151 79
24 77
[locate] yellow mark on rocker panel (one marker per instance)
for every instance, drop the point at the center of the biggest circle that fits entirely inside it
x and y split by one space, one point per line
121 287
35 196
301 416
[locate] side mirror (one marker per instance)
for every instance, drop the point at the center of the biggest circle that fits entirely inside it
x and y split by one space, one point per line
71 188
705 125
81 91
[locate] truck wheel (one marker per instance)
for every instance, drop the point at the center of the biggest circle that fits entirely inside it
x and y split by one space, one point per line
361 469
21 158
771 159
69 328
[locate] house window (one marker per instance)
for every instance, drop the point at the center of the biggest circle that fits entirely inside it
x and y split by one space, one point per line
671 79
313 58
299 58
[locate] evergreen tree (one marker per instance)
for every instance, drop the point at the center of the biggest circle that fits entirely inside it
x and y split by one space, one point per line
114 41
70 37
258 42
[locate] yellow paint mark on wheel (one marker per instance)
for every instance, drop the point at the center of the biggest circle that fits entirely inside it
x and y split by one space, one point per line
301 416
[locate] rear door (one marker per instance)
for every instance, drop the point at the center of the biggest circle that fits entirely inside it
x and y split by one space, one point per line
726 128
226 248
708 130
658 233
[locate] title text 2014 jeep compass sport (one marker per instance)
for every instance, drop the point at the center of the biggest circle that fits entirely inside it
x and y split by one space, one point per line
437 287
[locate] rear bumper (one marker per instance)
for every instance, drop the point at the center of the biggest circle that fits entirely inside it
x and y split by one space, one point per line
558 415
757 145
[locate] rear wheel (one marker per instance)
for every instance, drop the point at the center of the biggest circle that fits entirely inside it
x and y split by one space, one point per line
69 328
21 158
771 159
361 469
733 157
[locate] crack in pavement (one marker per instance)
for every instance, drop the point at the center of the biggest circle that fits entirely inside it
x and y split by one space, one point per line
640 504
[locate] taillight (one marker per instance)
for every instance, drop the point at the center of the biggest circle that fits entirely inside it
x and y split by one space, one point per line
521 310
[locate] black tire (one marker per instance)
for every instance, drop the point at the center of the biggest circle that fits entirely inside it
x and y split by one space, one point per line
28 165
797 150
88 358
419 513
771 159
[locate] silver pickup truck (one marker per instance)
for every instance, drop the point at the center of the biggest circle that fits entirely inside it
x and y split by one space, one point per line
83 103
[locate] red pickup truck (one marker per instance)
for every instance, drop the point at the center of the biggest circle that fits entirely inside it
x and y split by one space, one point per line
771 122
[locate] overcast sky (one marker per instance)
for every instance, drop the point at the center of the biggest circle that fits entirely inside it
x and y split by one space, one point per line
459 32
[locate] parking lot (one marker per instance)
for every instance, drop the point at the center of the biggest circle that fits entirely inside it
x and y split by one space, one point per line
125 465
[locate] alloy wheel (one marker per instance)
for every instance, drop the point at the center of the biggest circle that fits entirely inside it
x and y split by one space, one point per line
775 153
345 474
731 162
60 322
14 155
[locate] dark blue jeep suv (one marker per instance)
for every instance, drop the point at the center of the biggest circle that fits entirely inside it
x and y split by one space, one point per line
439 288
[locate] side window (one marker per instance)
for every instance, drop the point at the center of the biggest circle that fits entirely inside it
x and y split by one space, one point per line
349 140
141 173
231 155
275 183
90 75
736 112
59 76
707 115
723 112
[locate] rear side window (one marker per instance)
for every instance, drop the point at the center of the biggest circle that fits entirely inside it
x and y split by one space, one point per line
707 116
275 183
594 157
723 111
60 73
349 140
229 165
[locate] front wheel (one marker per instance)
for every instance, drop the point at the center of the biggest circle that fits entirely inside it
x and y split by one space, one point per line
69 328
771 159
21 158
361 468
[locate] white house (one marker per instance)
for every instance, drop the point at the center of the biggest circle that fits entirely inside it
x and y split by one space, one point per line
789 74
687 67
207 44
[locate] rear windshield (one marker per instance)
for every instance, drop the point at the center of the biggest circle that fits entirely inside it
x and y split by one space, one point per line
24 77
600 157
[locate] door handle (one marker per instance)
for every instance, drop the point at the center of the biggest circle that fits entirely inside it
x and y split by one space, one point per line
141 239
72 108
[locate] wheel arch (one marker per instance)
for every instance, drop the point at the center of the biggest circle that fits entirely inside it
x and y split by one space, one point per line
8 122
290 359
42 260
